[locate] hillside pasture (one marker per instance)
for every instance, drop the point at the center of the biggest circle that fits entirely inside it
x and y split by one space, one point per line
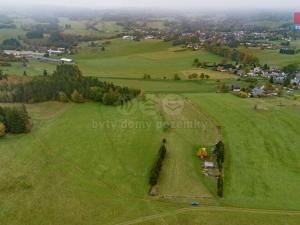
273 57
101 29
168 86
32 68
130 59
74 169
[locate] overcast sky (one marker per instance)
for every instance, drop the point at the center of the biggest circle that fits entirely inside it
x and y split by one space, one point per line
165 4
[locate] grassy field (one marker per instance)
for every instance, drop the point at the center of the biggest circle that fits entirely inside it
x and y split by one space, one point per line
129 59
262 157
181 176
89 164
33 68
71 170
168 86
10 33
125 58
273 57
101 29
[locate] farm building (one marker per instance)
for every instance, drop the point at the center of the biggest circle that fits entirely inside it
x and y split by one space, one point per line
235 88
53 60
127 37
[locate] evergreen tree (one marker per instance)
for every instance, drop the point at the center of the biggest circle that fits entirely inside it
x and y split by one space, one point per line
220 186
16 120
62 97
220 154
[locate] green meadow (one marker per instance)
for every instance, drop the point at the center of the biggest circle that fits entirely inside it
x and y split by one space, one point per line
262 158
70 170
32 68
10 33
101 29
89 163
83 163
168 86
130 59
123 58
273 57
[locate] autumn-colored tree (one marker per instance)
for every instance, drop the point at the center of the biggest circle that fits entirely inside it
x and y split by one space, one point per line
2 129
202 153
142 95
62 97
76 97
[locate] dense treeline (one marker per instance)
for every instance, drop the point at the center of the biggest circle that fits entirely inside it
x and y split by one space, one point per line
14 120
66 83
233 54
155 171
288 51
11 44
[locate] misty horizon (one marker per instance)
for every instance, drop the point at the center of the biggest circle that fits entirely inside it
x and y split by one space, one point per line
193 5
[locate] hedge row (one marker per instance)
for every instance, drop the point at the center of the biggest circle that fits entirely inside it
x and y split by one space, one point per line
155 171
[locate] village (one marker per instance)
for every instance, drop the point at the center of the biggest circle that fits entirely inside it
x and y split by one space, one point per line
50 55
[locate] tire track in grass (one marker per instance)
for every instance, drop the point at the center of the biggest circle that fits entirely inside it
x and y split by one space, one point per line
210 209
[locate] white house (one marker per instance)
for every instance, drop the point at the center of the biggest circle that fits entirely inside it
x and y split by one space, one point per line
127 37
296 80
66 61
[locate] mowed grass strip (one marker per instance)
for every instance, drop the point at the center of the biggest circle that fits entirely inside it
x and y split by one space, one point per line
262 158
181 173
